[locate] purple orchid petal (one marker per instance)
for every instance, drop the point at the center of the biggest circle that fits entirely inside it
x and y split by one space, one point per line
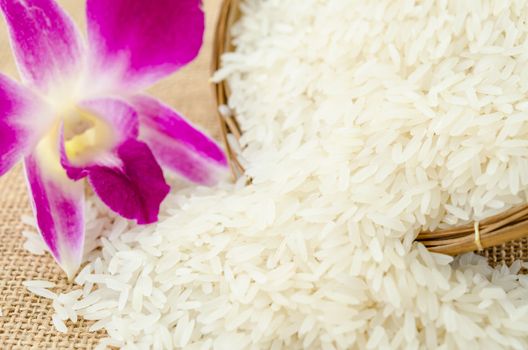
177 144
146 40
58 204
46 43
18 131
118 114
136 188
124 174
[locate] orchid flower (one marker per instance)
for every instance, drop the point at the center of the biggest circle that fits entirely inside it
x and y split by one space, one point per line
79 113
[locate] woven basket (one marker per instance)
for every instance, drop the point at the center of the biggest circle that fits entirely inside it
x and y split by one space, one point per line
505 235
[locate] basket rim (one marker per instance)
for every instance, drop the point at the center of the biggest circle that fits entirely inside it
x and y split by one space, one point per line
229 13
507 226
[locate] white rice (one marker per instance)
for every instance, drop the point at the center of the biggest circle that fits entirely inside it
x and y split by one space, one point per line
59 324
33 243
42 292
364 122
38 284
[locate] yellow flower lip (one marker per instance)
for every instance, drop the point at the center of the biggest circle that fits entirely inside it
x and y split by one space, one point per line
85 136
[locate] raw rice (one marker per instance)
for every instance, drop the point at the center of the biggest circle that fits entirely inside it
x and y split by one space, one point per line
42 292
364 122
38 284
59 324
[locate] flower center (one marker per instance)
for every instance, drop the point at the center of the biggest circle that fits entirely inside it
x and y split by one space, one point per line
85 136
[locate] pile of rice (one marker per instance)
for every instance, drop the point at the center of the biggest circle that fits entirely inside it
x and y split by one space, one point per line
364 122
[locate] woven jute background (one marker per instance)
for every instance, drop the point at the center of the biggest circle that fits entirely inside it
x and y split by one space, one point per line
26 321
